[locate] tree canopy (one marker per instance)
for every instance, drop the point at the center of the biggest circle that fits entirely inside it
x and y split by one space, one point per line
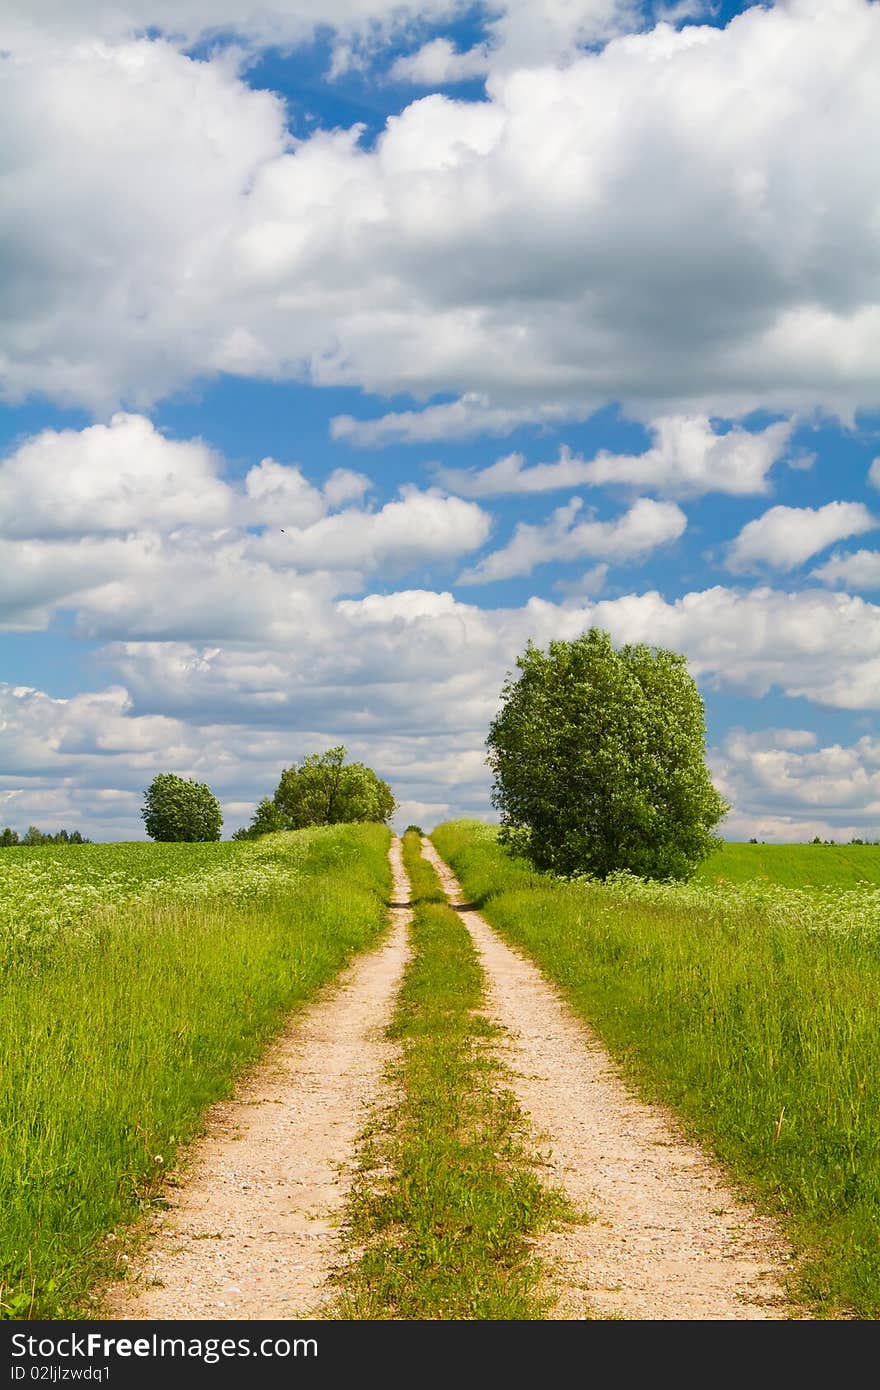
323 789
598 756
181 809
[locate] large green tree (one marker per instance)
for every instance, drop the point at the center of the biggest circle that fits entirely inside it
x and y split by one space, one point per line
177 808
598 755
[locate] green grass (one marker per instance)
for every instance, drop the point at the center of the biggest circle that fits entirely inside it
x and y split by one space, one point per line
119 1028
793 866
446 1200
754 1011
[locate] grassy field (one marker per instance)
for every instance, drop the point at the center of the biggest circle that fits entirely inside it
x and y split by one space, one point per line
137 981
446 1199
793 866
753 1008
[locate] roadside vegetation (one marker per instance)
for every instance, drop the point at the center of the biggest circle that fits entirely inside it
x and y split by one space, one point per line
446 1199
137 981
752 1008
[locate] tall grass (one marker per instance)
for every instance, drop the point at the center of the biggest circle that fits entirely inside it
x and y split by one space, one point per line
447 1199
760 1028
117 1034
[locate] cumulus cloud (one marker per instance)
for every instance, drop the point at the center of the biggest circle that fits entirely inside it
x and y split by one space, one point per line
522 34
117 477
781 775
860 570
785 537
128 476
613 229
439 62
140 535
280 492
640 530
420 528
824 647
687 458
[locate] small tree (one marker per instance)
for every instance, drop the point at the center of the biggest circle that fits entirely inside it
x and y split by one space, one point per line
322 790
181 809
8 837
265 820
599 761
325 790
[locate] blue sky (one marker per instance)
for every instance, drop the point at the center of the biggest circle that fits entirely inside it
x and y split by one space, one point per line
347 347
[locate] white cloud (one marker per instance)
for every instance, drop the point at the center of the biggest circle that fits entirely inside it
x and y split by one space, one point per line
874 473
26 25
128 477
860 570
519 32
174 553
420 528
279 492
469 416
784 537
632 536
824 647
587 586
688 458
615 229
119 477
439 61
523 34
141 536
781 774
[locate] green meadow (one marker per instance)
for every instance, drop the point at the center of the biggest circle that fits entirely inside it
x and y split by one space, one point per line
138 980
751 1006
793 866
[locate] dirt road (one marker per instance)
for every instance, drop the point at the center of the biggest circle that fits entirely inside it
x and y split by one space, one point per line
251 1232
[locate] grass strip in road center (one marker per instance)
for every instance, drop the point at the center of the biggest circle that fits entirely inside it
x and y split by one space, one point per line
447 1201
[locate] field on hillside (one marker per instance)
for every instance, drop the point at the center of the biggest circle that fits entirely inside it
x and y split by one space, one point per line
136 981
752 1007
793 866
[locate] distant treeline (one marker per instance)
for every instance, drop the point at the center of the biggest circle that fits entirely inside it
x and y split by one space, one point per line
854 841
34 836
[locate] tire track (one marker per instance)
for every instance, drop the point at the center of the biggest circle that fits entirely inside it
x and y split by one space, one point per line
251 1232
668 1239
